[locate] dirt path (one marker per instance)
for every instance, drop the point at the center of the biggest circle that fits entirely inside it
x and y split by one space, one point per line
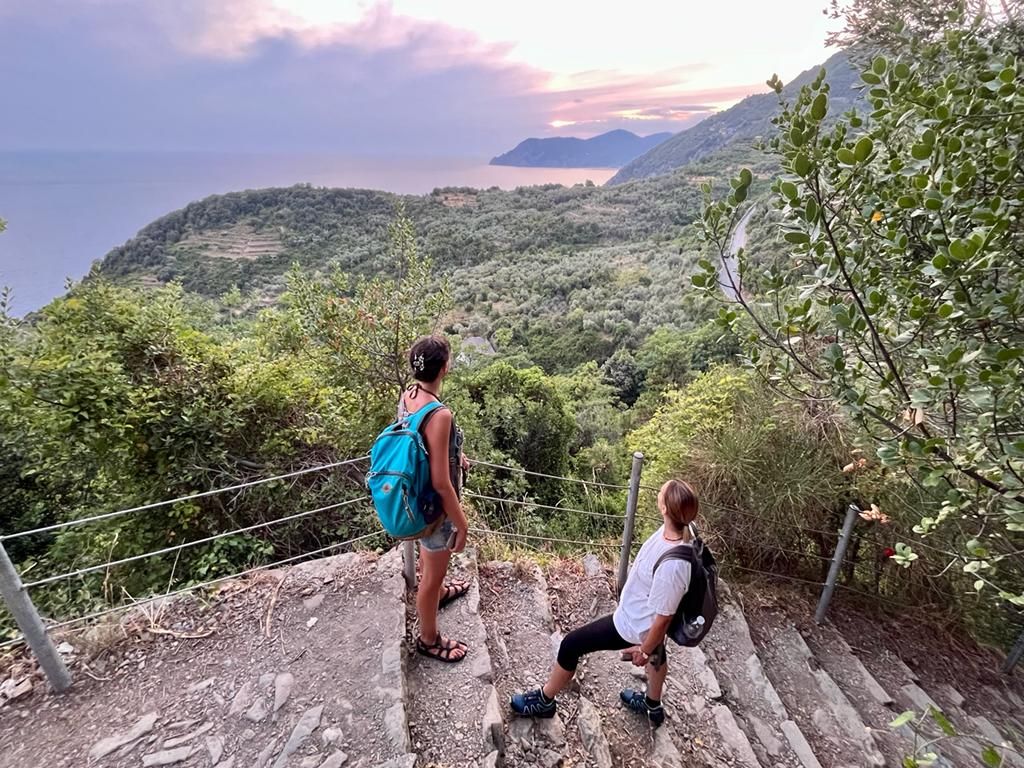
316 684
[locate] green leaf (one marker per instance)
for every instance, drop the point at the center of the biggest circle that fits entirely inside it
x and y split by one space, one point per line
789 190
802 165
906 201
943 721
870 78
903 719
902 71
863 149
991 757
958 250
819 107
746 177
921 151
797 238
879 65
846 157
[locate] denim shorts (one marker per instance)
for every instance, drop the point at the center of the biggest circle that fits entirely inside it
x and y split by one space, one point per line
438 540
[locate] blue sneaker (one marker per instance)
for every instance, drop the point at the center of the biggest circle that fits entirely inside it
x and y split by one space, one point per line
533 704
637 701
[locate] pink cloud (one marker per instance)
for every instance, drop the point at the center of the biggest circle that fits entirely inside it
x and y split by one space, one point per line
195 74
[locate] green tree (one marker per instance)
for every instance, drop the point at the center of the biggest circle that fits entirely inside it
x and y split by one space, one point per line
365 327
517 416
903 298
624 375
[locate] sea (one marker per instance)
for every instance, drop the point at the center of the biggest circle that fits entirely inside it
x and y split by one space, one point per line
65 210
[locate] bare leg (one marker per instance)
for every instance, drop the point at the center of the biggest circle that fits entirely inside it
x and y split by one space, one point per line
656 680
434 568
557 680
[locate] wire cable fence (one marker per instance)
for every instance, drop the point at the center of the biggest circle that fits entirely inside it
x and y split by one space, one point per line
188 544
514 521
531 473
16 592
191 588
181 499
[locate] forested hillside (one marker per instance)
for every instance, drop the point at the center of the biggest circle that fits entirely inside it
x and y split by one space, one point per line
738 125
607 266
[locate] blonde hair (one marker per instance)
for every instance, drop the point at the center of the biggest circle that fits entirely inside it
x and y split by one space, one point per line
680 502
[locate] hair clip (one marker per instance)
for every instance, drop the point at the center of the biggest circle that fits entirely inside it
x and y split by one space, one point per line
418 363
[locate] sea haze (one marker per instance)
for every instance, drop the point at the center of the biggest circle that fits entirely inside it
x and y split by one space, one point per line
66 210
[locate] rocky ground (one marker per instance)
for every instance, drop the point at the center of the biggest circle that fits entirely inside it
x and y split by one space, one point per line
312 667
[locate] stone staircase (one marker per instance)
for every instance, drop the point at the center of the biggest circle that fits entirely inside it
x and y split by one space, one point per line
312 668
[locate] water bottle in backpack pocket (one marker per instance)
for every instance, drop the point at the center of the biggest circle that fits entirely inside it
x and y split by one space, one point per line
399 478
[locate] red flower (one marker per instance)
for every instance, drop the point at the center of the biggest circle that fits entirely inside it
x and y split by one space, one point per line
888 551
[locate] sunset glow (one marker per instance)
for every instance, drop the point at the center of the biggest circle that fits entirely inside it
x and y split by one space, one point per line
405 75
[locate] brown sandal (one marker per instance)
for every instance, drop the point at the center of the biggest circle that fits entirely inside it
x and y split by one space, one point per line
442 649
452 591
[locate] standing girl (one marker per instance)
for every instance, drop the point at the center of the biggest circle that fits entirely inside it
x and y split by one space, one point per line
429 360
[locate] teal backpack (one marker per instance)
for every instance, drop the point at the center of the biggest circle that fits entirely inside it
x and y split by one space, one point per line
399 478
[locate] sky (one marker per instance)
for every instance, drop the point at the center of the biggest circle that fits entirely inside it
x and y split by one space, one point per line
401 78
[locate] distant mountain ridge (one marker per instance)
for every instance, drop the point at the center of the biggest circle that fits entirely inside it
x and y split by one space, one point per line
745 121
609 150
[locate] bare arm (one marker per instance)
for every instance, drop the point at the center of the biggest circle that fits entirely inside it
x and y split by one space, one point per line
655 636
435 435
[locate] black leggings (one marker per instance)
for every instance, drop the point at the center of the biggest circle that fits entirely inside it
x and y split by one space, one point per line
599 635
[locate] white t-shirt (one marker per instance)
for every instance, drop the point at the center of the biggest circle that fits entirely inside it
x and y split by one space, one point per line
648 594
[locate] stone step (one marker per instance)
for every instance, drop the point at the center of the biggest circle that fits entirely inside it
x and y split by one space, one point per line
875 705
704 728
992 727
615 736
320 683
515 610
450 704
814 700
776 739
961 751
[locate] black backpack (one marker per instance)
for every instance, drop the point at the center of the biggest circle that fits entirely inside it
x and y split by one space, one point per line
701 599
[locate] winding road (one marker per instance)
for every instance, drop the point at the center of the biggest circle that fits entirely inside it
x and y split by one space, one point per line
728 274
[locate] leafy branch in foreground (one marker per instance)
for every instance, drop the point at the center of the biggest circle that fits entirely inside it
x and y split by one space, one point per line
902 299
924 753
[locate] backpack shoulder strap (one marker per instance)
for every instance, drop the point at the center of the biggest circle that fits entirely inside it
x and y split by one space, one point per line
687 552
417 419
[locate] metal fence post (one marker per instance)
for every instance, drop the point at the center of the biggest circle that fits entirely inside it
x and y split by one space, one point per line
837 562
25 614
1015 654
409 563
627 529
